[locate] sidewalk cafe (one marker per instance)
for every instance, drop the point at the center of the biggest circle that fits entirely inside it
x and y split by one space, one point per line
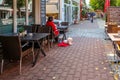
112 30
28 40
11 43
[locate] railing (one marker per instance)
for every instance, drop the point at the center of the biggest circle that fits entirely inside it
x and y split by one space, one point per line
5 28
6 24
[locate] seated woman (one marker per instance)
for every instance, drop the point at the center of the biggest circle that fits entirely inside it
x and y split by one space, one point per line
50 23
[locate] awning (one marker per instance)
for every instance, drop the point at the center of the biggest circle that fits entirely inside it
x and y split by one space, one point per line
51 9
77 1
6 9
52 1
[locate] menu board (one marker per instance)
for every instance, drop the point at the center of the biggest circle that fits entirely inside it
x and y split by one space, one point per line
113 14
43 11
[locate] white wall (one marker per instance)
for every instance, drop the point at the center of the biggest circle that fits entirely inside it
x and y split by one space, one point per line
1 1
62 10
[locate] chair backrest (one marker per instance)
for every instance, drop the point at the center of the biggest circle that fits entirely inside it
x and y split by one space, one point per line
44 29
35 27
64 24
0 49
28 28
31 28
117 49
11 46
113 29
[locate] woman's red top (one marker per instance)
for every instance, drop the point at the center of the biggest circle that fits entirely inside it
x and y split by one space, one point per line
54 28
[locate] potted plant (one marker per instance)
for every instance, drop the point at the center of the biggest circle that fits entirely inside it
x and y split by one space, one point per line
21 31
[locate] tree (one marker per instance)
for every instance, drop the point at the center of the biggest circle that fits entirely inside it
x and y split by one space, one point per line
118 3
20 3
113 2
97 4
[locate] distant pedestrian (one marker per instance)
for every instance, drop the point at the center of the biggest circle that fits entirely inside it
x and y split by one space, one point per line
91 19
92 16
101 15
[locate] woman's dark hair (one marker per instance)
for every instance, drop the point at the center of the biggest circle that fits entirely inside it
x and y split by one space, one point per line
50 18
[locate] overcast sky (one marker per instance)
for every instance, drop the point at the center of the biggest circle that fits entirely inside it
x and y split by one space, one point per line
87 1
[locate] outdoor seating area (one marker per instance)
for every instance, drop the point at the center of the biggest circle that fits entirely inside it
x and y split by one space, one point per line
32 36
59 40
112 30
65 63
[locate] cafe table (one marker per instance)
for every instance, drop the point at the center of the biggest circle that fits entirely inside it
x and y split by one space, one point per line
36 37
33 37
115 38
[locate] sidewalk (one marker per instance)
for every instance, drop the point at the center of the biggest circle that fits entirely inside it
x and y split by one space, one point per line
86 59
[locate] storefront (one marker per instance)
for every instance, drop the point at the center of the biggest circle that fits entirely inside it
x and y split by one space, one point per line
71 11
65 10
36 15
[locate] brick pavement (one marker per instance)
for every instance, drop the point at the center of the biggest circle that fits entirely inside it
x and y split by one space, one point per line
84 60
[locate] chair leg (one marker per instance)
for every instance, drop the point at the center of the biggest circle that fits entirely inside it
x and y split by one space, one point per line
48 43
33 55
51 43
2 63
20 66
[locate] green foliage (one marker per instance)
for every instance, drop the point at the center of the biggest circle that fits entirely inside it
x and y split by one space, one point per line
75 3
21 29
113 2
97 4
66 1
20 3
118 3
83 13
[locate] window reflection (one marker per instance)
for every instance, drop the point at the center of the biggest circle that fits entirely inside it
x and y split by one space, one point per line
6 14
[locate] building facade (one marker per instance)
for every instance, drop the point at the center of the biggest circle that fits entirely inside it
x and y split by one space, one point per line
65 10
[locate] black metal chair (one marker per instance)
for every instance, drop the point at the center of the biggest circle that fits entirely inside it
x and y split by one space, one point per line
64 24
31 28
35 27
13 50
47 29
66 29
117 49
1 54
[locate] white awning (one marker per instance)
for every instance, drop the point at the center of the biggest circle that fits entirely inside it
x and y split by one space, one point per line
51 9
78 1
50 1
6 9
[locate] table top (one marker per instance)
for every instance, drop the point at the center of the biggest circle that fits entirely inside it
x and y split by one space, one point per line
114 36
34 36
107 26
29 36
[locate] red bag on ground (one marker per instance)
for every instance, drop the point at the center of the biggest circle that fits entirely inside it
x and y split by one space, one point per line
62 44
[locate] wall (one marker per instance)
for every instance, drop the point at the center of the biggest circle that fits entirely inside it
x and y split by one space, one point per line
113 15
